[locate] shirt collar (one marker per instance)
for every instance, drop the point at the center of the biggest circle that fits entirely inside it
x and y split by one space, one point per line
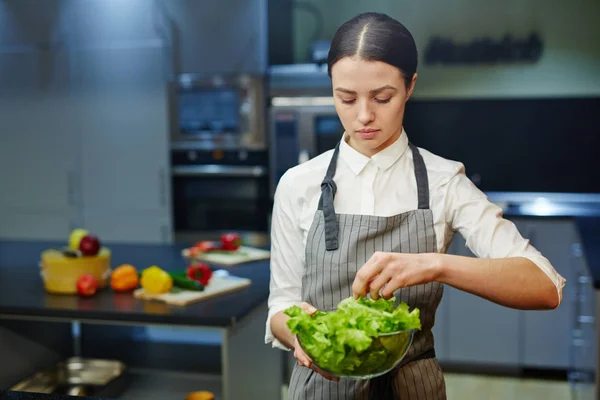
383 160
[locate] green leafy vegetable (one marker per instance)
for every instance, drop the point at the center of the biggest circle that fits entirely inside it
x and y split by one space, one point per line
348 341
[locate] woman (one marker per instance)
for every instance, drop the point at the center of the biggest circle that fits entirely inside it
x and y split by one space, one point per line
375 215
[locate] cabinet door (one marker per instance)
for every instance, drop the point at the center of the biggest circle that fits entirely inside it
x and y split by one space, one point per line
547 334
129 228
479 331
440 329
38 146
122 116
584 342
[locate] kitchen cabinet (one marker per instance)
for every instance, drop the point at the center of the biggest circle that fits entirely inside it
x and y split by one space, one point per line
38 146
479 331
546 334
84 143
440 328
583 348
121 104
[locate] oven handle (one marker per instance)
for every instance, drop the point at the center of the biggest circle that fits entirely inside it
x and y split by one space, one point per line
236 171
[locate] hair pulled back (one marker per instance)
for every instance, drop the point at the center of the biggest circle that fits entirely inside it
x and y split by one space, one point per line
375 37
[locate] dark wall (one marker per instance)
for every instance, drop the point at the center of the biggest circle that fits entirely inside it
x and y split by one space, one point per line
528 145
280 33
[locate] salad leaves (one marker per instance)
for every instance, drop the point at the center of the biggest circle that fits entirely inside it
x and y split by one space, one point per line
347 341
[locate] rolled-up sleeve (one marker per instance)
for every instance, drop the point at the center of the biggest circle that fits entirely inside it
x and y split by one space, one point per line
487 233
287 255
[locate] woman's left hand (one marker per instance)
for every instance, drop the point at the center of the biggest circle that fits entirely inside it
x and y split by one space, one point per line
384 273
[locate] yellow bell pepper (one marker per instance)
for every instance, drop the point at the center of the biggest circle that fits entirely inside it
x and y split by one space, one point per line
156 281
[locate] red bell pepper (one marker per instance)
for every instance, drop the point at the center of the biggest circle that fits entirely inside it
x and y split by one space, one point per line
200 273
231 241
207 245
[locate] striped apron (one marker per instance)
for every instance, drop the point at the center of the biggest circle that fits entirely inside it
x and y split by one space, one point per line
337 246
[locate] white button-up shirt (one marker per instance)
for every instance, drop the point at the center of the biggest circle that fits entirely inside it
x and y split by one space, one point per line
384 185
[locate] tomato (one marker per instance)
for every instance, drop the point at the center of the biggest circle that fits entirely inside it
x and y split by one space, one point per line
87 285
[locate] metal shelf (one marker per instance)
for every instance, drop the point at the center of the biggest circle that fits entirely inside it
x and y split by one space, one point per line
151 384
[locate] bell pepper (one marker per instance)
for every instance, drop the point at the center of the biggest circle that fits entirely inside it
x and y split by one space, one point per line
200 273
124 278
207 245
156 281
231 241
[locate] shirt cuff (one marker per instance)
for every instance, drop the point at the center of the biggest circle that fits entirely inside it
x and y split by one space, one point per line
269 337
550 272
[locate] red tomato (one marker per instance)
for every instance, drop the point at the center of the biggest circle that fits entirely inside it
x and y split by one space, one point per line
87 285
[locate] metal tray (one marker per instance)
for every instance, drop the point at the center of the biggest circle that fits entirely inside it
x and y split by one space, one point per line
74 376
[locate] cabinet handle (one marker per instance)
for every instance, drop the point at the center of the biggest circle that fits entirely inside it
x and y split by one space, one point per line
584 280
162 187
586 319
71 195
164 233
576 250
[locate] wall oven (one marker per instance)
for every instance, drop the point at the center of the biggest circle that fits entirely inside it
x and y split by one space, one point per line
300 129
218 111
221 190
219 158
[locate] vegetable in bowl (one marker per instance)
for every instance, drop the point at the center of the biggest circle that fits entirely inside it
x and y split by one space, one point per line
362 338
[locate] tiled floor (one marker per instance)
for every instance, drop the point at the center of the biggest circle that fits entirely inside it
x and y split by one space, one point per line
482 387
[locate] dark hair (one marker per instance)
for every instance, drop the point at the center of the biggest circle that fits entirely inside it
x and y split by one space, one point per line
375 37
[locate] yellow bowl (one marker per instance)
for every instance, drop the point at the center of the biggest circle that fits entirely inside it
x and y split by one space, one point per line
60 273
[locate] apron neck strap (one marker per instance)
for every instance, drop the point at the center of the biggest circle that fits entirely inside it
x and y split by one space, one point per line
328 189
421 177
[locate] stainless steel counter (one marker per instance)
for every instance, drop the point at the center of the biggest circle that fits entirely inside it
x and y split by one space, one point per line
547 204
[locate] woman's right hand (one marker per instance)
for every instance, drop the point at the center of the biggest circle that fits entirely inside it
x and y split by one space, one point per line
301 356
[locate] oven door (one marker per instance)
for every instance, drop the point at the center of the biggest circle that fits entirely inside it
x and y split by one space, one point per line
212 199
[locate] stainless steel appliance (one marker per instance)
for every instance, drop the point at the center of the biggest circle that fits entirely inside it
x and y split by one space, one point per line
218 112
301 128
221 190
219 158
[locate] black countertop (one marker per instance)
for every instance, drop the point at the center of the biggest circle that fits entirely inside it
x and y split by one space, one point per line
10 395
589 232
22 292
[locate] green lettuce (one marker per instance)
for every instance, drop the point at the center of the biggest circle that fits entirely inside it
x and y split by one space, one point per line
347 341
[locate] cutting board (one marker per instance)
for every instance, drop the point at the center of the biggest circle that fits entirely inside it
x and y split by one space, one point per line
217 286
242 255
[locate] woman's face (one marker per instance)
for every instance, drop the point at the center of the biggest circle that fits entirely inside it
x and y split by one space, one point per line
369 97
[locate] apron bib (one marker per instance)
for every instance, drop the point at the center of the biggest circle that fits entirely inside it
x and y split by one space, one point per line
337 246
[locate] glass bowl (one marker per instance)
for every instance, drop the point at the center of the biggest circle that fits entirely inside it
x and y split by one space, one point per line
384 354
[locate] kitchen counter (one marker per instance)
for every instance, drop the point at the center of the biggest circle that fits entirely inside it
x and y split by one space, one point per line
22 292
10 395
237 318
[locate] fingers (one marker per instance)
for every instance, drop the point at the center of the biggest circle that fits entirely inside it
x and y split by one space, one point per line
308 308
367 273
304 360
300 355
379 283
395 283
